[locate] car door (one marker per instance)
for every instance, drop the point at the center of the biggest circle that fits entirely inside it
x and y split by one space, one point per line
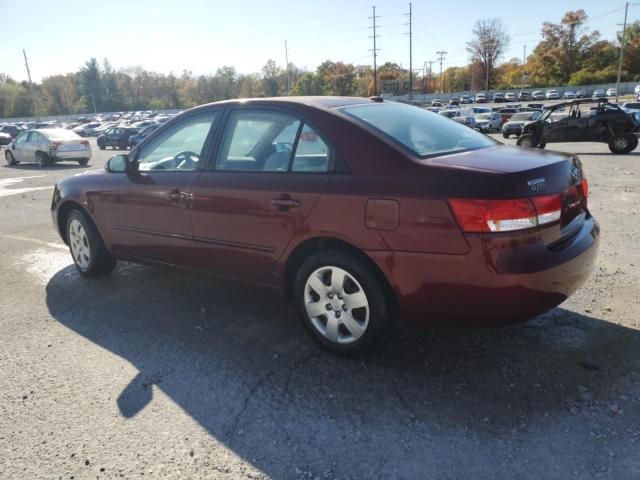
577 125
33 143
263 184
147 212
555 129
18 149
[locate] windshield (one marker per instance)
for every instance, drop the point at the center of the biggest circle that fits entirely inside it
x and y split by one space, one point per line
484 116
421 131
521 117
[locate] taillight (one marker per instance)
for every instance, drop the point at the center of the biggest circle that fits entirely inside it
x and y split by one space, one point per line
477 216
55 145
585 188
84 142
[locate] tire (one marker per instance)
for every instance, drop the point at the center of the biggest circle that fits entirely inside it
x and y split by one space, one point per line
527 140
89 254
353 329
42 159
122 145
101 145
505 135
541 145
10 158
83 161
622 144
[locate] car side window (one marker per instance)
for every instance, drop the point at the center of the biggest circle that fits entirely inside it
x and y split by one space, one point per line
22 138
258 141
179 148
312 153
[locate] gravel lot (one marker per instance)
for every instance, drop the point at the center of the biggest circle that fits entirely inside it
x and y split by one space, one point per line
152 373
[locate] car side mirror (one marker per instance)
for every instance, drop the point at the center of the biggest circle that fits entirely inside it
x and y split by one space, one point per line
120 164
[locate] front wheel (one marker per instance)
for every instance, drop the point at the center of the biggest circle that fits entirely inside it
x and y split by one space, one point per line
87 248
122 145
505 135
622 144
9 158
101 144
527 140
341 302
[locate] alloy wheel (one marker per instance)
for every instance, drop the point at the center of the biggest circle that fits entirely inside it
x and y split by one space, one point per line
79 242
337 305
621 143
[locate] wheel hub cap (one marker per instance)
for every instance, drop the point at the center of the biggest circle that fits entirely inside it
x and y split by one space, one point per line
336 305
79 243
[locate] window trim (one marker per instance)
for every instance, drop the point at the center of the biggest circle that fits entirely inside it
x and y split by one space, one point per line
172 126
336 164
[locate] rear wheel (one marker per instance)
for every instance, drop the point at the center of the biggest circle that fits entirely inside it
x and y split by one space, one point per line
83 161
122 145
505 135
101 144
528 140
341 302
624 143
42 159
87 248
9 158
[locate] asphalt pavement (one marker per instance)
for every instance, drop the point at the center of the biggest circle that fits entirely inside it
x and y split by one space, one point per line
154 373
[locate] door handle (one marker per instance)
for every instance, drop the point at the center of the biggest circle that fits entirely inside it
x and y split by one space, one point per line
285 202
176 195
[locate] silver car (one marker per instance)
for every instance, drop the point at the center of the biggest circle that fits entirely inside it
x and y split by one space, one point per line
488 122
48 146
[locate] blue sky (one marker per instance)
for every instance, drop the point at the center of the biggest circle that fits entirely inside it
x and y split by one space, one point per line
202 35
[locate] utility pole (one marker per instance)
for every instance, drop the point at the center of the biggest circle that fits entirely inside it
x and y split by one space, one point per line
33 93
524 60
622 40
441 54
410 55
430 62
286 59
375 54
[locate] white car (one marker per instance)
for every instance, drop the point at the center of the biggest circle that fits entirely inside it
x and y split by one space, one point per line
552 94
537 95
86 129
481 98
569 94
465 99
598 93
488 122
510 97
47 146
611 92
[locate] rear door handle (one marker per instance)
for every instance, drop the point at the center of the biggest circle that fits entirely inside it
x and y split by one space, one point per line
285 203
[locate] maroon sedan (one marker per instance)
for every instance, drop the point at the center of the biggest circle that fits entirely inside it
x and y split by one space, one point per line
362 211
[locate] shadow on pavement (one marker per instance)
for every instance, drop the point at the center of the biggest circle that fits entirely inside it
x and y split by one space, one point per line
239 363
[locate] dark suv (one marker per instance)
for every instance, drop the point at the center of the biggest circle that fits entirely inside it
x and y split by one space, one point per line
604 122
117 137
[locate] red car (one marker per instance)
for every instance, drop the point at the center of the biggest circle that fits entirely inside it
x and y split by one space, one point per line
362 211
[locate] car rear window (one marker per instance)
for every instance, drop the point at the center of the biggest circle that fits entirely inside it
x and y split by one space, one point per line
421 131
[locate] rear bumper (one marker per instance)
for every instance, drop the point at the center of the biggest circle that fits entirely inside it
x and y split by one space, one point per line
502 280
71 155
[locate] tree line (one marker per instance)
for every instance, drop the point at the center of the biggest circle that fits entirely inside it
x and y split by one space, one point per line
567 54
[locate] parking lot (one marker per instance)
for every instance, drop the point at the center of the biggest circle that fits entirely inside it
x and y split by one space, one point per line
153 373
